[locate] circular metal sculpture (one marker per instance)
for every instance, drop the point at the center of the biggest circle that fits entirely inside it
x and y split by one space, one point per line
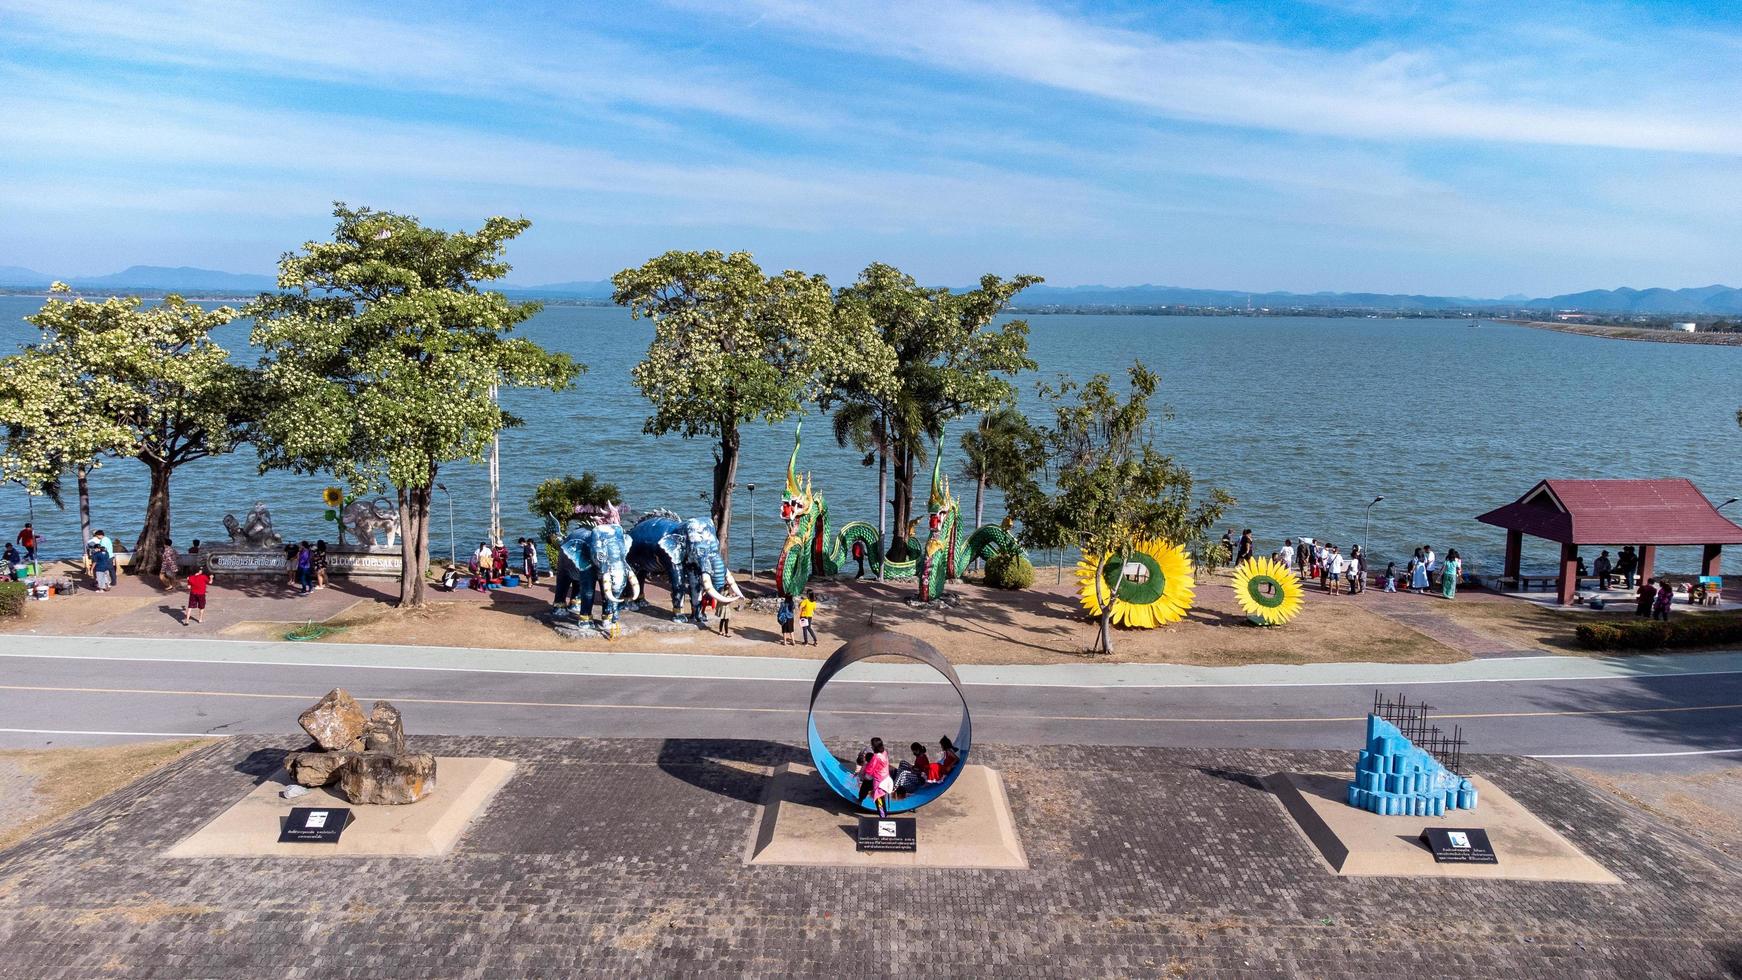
1157 588
1268 591
884 644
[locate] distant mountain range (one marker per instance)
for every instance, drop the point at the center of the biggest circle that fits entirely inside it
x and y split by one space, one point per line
1708 300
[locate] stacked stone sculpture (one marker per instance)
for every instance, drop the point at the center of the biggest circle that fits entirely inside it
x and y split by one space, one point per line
1396 778
364 754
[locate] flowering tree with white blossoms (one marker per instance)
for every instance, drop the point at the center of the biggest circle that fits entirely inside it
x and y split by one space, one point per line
124 379
380 356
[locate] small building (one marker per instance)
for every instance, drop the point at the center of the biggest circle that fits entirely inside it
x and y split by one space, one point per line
1647 514
1686 327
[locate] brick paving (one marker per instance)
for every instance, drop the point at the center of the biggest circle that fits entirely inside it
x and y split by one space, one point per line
626 856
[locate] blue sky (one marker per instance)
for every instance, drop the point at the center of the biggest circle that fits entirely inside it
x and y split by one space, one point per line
1459 148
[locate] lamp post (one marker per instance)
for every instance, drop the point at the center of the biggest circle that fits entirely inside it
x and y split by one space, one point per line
1367 531
1727 503
452 554
751 487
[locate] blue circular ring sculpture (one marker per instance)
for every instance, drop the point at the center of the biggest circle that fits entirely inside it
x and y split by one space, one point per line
884 644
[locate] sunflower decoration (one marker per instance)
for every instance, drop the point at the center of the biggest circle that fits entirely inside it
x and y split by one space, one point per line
1268 591
333 497
1156 589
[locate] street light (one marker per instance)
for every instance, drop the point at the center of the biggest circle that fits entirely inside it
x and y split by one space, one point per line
1727 503
452 554
1367 532
751 487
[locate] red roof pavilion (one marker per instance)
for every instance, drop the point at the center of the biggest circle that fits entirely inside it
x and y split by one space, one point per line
1643 513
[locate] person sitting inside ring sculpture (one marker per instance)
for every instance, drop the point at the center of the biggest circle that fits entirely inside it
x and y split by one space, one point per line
872 770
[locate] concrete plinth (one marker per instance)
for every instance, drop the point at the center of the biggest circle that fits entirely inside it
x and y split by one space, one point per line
803 823
1355 842
427 828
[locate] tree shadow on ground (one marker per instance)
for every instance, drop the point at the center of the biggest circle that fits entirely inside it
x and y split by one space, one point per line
737 768
1236 776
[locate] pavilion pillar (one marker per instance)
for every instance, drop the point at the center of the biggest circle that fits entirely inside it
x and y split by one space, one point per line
1710 560
1568 581
1647 558
1514 553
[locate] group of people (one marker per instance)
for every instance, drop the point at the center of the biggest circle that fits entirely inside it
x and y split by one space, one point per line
306 566
1624 566
800 612
1655 596
1326 562
880 782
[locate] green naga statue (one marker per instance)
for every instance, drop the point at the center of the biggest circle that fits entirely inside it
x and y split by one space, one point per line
948 552
810 549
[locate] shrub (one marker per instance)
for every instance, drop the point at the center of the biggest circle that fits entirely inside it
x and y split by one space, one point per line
1009 570
1689 631
12 596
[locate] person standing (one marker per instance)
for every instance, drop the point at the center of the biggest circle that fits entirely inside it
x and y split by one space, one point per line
1353 572
198 583
290 565
1626 564
859 556
1603 566
305 568
785 615
319 562
1228 543
1334 565
1286 555
529 560
1243 552
169 567
1660 604
807 610
1418 573
1647 599
102 566
1391 576
27 539
1450 571
484 558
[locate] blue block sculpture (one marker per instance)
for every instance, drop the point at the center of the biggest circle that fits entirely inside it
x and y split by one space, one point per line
1394 778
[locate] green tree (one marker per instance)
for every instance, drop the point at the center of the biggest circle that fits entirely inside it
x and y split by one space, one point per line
1004 451
124 379
949 360
732 346
558 496
1113 487
862 426
380 354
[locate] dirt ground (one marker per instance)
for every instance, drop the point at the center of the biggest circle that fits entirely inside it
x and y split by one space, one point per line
1044 624
39 786
1706 805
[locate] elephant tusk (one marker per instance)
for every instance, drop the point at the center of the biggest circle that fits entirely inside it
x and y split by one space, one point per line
708 587
634 585
732 587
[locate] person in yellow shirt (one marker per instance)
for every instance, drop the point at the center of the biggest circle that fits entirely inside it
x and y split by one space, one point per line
807 608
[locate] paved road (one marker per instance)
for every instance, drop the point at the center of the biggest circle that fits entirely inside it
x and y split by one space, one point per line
67 693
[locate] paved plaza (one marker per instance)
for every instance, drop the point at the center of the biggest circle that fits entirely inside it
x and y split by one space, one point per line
627 855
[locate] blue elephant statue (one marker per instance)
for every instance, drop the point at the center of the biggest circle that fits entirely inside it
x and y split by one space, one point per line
687 553
594 563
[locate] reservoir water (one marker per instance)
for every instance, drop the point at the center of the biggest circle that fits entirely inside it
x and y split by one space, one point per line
1303 419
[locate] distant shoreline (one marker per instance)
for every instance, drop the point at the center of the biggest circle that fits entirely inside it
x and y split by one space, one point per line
1610 332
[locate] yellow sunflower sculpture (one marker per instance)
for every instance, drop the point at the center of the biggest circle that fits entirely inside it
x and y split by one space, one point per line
333 497
1157 588
1267 590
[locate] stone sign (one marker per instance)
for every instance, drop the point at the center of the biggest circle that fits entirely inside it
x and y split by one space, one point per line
315 825
889 834
1459 846
271 562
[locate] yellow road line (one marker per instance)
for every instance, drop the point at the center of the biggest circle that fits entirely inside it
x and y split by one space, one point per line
737 709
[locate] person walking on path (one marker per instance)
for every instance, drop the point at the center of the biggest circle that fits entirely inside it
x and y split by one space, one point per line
807 610
785 615
318 561
1243 551
198 583
27 539
1391 576
1450 571
169 567
1603 567
1626 564
1418 574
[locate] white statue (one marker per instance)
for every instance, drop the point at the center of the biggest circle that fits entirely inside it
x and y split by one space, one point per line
367 518
253 531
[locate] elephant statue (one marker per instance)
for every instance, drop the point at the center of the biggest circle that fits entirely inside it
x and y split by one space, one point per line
687 553
594 562
367 518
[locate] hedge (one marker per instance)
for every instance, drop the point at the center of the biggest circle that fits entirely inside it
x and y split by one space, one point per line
12 596
1009 570
1644 634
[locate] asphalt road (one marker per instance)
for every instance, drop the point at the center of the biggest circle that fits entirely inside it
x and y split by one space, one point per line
1644 723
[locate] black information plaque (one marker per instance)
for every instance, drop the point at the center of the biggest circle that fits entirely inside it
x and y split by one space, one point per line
888 834
1452 845
315 825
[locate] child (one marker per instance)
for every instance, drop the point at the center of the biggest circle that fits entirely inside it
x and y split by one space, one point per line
1391 576
726 618
916 774
198 583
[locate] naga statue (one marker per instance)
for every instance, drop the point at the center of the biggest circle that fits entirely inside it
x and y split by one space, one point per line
596 558
948 552
809 548
687 553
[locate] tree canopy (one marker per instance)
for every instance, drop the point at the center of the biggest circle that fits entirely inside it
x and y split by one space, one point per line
381 354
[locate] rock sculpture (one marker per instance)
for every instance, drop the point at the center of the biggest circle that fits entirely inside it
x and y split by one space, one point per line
368 519
364 754
254 530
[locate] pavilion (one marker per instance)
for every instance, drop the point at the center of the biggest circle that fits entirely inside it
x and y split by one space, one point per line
1647 514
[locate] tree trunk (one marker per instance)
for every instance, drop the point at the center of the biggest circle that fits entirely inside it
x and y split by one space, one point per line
148 550
902 504
414 542
725 475
980 500
84 477
882 503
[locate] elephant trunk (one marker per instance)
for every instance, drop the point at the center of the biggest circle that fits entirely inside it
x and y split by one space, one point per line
715 572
